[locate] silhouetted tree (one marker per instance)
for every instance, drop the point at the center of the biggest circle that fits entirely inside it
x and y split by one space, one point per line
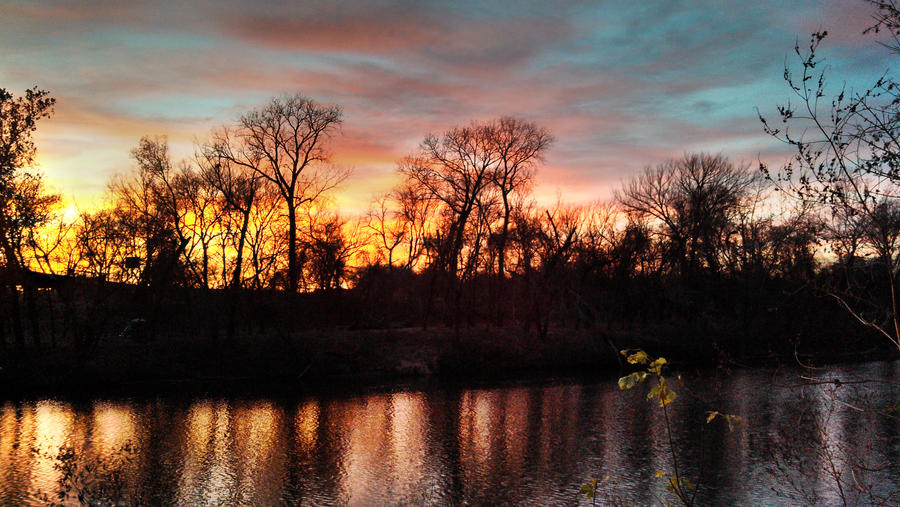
520 146
103 244
266 239
388 229
284 143
24 203
150 208
455 168
848 161
204 222
694 199
238 187
18 188
328 249
416 210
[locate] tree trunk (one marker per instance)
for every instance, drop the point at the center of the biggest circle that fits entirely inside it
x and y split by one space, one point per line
292 246
235 284
499 296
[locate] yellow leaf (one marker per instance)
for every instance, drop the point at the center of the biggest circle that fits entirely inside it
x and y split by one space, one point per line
660 473
662 393
629 381
589 489
639 357
711 416
667 398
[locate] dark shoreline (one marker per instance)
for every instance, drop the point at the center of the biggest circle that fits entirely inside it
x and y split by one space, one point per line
340 361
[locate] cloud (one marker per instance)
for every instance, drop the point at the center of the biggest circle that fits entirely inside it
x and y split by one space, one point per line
620 85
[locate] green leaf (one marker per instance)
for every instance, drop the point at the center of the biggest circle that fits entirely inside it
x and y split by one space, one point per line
629 381
639 357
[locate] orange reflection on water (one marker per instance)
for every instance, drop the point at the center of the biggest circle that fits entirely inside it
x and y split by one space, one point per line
220 478
207 473
408 433
196 449
477 418
365 423
46 428
255 439
113 427
515 427
14 457
232 455
306 425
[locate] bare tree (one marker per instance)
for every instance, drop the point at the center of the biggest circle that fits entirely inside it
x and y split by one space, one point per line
456 168
417 211
329 244
204 219
238 187
847 159
50 246
149 203
18 122
24 203
694 200
284 143
103 245
266 236
520 146
387 229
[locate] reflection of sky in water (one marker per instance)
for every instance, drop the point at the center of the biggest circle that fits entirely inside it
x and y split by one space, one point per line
48 424
113 426
532 444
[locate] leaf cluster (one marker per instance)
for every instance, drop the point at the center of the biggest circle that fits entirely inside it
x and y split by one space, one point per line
654 366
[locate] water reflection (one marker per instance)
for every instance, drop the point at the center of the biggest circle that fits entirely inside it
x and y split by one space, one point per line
408 441
517 444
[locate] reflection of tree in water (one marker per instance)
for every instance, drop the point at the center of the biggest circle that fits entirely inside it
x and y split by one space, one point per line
837 442
99 480
517 444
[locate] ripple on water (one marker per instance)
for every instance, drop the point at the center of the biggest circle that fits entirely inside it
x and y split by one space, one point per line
534 443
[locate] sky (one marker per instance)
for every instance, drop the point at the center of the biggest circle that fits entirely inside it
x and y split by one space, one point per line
621 85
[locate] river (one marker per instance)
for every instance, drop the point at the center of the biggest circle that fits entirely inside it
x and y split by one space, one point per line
525 442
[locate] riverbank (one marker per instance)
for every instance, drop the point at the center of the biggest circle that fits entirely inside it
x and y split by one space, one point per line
322 359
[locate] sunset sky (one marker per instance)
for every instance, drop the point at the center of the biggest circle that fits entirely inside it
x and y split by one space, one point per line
620 84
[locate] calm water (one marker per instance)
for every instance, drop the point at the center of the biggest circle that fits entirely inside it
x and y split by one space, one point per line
525 444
